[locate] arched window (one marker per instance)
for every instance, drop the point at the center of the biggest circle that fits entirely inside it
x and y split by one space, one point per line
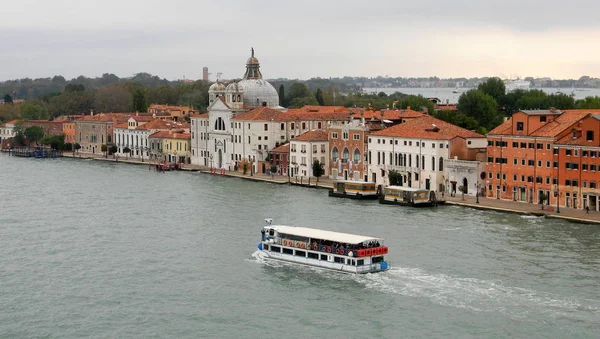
345 154
219 124
433 163
334 153
356 157
441 167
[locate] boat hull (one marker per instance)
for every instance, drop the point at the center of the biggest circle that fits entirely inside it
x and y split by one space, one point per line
353 196
405 203
333 266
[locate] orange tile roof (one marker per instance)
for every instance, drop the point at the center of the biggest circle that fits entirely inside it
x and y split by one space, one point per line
503 129
122 125
171 135
142 118
448 107
202 116
390 114
423 128
324 109
12 122
285 148
314 135
562 122
260 113
162 124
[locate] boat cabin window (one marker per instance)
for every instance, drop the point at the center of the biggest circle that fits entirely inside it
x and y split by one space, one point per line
313 255
271 232
266 247
275 248
324 257
376 260
338 260
300 253
360 262
287 251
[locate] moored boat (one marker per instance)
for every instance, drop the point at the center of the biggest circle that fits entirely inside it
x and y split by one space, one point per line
408 196
353 189
342 252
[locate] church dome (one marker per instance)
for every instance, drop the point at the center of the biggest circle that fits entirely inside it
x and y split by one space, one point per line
216 87
257 92
234 88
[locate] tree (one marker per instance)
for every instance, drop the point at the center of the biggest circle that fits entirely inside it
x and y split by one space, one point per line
56 142
245 167
114 98
34 134
297 90
34 112
113 149
495 88
77 147
9 100
140 103
282 101
589 103
480 106
319 97
70 88
318 169
104 150
382 95
273 170
395 178
303 101
126 150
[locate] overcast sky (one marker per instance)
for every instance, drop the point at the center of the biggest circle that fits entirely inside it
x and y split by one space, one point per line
300 39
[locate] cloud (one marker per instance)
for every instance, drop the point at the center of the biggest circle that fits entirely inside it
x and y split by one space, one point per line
300 39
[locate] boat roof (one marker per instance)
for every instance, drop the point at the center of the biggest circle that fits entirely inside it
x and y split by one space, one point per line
408 189
355 181
314 233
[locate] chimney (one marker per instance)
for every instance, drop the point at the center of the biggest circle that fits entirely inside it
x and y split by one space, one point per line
362 116
407 107
92 112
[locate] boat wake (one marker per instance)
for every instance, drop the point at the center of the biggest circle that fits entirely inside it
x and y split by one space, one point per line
474 294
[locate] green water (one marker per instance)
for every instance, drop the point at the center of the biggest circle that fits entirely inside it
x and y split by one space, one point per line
104 250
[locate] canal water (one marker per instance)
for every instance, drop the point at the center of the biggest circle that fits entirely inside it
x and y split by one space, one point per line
105 250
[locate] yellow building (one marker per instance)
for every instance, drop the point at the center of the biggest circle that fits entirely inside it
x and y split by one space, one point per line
171 146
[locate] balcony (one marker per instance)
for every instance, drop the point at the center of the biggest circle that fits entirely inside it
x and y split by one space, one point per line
314 152
303 151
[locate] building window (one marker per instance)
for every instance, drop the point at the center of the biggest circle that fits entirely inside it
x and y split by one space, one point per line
356 136
589 135
356 156
568 152
334 135
441 165
515 161
303 125
519 126
345 135
334 153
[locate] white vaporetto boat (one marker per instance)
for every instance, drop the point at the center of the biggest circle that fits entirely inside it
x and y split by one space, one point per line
342 252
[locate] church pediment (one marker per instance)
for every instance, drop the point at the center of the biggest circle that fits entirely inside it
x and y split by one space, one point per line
218 105
219 143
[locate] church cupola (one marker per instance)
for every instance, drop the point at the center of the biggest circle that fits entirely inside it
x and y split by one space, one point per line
252 68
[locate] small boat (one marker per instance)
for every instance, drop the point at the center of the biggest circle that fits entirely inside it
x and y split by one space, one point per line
455 91
408 196
353 189
341 252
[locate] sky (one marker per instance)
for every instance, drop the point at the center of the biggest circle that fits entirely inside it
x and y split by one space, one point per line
300 39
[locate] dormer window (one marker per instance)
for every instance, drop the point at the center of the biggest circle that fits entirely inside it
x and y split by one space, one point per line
519 126
542 118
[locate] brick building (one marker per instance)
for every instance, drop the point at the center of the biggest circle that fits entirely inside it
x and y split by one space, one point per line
548 156
280 158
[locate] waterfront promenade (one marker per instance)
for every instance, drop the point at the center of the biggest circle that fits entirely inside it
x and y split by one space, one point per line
326 183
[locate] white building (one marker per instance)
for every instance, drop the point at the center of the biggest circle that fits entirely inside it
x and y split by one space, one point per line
419 150
305 149
7 130
135 134
212 134
465 173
